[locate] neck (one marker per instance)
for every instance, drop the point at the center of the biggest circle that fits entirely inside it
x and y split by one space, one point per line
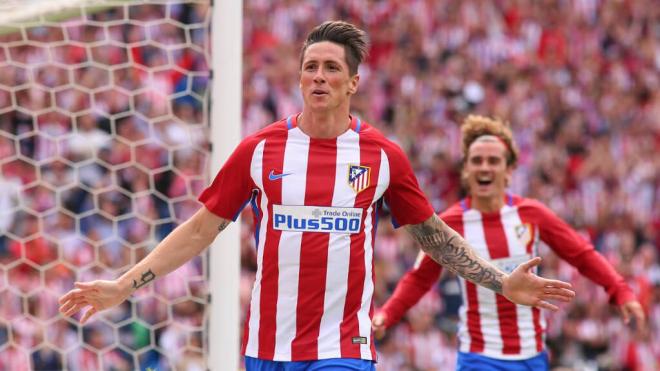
324 125
487 204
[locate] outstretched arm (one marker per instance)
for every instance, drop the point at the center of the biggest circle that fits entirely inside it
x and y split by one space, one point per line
184 243
580 253
448 248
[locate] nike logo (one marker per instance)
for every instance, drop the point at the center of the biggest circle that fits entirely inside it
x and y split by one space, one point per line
273 176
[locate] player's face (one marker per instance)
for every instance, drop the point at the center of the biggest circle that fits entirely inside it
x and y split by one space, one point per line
325 80
486 171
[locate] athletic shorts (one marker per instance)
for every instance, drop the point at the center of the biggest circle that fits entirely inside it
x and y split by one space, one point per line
478 362
338 364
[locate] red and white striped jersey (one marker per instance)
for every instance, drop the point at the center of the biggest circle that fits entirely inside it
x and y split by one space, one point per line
315 207
489 323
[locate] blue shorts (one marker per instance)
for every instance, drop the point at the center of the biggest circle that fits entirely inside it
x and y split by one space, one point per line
339 364
478 362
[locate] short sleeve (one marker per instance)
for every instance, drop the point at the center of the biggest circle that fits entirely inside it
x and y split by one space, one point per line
232 187
405 199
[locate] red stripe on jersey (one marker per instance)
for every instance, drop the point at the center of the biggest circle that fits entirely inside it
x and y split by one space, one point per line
314 251
532 238
538 330
369 156
506 310
473 319
246 330
273 159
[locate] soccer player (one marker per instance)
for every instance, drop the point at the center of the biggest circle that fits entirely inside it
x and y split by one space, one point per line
316 180
494 333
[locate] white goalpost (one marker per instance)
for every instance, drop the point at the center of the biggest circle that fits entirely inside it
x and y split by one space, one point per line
225 133
114 115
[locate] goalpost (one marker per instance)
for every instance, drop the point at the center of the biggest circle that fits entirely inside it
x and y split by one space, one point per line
107 110
225 252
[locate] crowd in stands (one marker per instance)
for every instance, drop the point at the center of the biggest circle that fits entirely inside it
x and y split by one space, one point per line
103 151
577 80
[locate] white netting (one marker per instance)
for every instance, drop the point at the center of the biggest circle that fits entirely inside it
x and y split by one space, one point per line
103 121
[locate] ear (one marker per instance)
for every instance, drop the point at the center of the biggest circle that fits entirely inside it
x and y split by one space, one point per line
353 87
509 175
464 178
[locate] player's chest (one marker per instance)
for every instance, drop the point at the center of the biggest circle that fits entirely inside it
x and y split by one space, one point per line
321 175
506 241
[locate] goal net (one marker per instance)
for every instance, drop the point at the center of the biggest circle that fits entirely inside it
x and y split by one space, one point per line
103 150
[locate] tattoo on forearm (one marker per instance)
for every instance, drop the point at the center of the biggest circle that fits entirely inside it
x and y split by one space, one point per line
223 225
146 277
448 248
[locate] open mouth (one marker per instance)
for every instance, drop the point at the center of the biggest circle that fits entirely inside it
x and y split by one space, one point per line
484 182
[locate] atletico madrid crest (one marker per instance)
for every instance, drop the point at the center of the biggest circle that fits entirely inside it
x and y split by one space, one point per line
359 177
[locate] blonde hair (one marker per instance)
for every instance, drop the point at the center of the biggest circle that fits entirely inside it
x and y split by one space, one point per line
475 126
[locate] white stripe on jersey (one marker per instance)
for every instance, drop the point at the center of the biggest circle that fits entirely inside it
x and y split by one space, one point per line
510 220
383 175
293 193
339 251
364 321
256 170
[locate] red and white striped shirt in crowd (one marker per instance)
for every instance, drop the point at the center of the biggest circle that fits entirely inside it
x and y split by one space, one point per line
315 203
489 323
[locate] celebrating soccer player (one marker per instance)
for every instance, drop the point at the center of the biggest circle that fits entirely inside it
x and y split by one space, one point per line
316 180
494 333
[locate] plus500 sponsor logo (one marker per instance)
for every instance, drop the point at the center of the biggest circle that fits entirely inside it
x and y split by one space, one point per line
317 219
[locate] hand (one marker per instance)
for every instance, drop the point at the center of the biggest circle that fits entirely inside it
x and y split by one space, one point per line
98 295
524 287
378 325
633 308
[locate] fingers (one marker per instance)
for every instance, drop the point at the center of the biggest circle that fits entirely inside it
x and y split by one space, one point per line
556 297
378 325
73 298
64 307
556 283
73 309
640 317
633 310
531 263
558 291
545 305
68 296
625 313
82 288
90 312
379 320
78 298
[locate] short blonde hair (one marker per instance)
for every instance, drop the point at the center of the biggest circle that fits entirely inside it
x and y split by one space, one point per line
475 126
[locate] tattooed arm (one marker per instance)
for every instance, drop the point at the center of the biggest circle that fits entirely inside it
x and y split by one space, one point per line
448 248
181 245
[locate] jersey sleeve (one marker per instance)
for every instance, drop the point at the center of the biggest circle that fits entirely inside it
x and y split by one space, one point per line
411 288
577 251
406 201
232 187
